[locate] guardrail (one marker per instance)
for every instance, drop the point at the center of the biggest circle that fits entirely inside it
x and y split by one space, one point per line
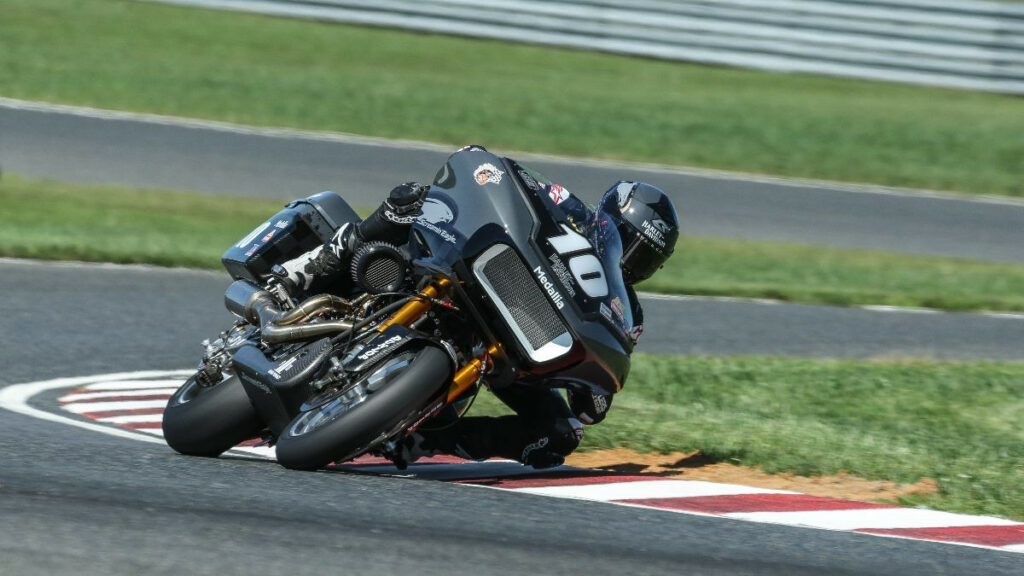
960 44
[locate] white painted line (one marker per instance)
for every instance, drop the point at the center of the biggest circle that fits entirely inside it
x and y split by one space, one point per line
1006 315
903 309
340 137
166 392
140 384
266 452
78 265
16 397
690 298
157 417
1014 548
93 407
879 518
646 489
154 431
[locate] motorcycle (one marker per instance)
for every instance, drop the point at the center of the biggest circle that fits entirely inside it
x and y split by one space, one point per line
495 285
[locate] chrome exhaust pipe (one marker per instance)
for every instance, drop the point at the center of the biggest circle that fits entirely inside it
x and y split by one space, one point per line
256 306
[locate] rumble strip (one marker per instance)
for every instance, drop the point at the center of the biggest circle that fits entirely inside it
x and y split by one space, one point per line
130 405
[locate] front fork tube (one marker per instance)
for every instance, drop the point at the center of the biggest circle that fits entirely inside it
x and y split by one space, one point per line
470 373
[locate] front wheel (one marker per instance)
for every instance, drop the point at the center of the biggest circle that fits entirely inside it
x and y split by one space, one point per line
349 420
202 421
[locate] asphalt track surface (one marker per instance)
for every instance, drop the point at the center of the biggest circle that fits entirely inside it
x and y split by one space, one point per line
73 147
74 501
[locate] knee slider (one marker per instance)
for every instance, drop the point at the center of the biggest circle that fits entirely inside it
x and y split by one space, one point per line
566 436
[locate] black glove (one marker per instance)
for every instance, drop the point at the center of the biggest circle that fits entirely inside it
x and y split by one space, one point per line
392 220
590 408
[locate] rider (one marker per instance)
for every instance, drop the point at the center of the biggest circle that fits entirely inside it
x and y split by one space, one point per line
545 428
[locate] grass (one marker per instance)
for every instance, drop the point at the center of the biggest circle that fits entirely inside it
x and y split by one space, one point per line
107 224
957 423
50 220
245 68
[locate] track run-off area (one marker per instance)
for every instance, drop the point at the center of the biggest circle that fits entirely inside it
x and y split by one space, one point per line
75 499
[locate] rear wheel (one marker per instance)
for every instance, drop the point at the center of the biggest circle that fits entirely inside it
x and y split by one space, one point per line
345 422
202 421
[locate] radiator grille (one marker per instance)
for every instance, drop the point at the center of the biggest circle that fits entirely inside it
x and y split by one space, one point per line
532 313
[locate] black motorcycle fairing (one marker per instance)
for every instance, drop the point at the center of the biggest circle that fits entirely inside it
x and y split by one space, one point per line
478 202
569 258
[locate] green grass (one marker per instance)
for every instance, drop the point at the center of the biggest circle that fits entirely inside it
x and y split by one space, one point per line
957 423
52 220
106 224
251 69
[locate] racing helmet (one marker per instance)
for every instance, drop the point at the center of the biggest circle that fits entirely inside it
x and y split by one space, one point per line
647 224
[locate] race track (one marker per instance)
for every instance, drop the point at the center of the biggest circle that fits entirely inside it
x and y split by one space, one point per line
74 501
78 502
89 146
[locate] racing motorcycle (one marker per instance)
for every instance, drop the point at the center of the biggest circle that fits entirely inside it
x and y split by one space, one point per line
495 285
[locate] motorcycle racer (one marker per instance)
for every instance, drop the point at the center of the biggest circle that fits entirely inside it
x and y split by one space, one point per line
545 428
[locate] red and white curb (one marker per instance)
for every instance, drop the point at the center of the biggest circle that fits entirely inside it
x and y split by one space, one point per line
130 405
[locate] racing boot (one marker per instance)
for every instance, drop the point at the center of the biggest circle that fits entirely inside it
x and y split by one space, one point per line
389 223
330 258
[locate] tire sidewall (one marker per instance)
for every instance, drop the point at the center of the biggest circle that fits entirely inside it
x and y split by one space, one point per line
214 420
424 379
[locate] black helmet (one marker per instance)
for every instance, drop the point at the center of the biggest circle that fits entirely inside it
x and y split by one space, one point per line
647 223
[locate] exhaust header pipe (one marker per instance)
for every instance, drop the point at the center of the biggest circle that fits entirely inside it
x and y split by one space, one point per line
256 306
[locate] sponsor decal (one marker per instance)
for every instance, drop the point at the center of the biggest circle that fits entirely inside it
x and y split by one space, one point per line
268 236
397 219
661 225
550 288
283 367
563 274
434 213
282 224
606 312
252 251
252 235
600 403
260 385
619 309
530 181
379 348
558 194
654 233
535 446
487 173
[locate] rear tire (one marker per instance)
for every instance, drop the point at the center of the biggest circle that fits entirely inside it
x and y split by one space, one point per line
207 421
315 438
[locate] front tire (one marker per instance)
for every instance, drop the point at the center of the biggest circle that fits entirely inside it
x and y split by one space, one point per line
207 421
349 423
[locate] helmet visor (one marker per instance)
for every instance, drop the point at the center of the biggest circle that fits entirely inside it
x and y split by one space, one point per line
640 260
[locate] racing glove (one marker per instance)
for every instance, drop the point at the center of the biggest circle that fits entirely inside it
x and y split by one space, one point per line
588 407
392 220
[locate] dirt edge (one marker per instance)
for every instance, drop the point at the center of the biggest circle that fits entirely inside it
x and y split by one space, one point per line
695 466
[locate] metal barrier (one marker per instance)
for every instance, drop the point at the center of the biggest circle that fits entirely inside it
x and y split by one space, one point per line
961 44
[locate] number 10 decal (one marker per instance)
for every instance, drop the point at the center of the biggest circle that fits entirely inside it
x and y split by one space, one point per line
583 264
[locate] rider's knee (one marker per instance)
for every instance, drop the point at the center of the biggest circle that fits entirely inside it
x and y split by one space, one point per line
551 449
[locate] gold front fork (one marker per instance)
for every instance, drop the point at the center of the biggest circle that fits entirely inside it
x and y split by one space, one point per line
418 306
466 376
